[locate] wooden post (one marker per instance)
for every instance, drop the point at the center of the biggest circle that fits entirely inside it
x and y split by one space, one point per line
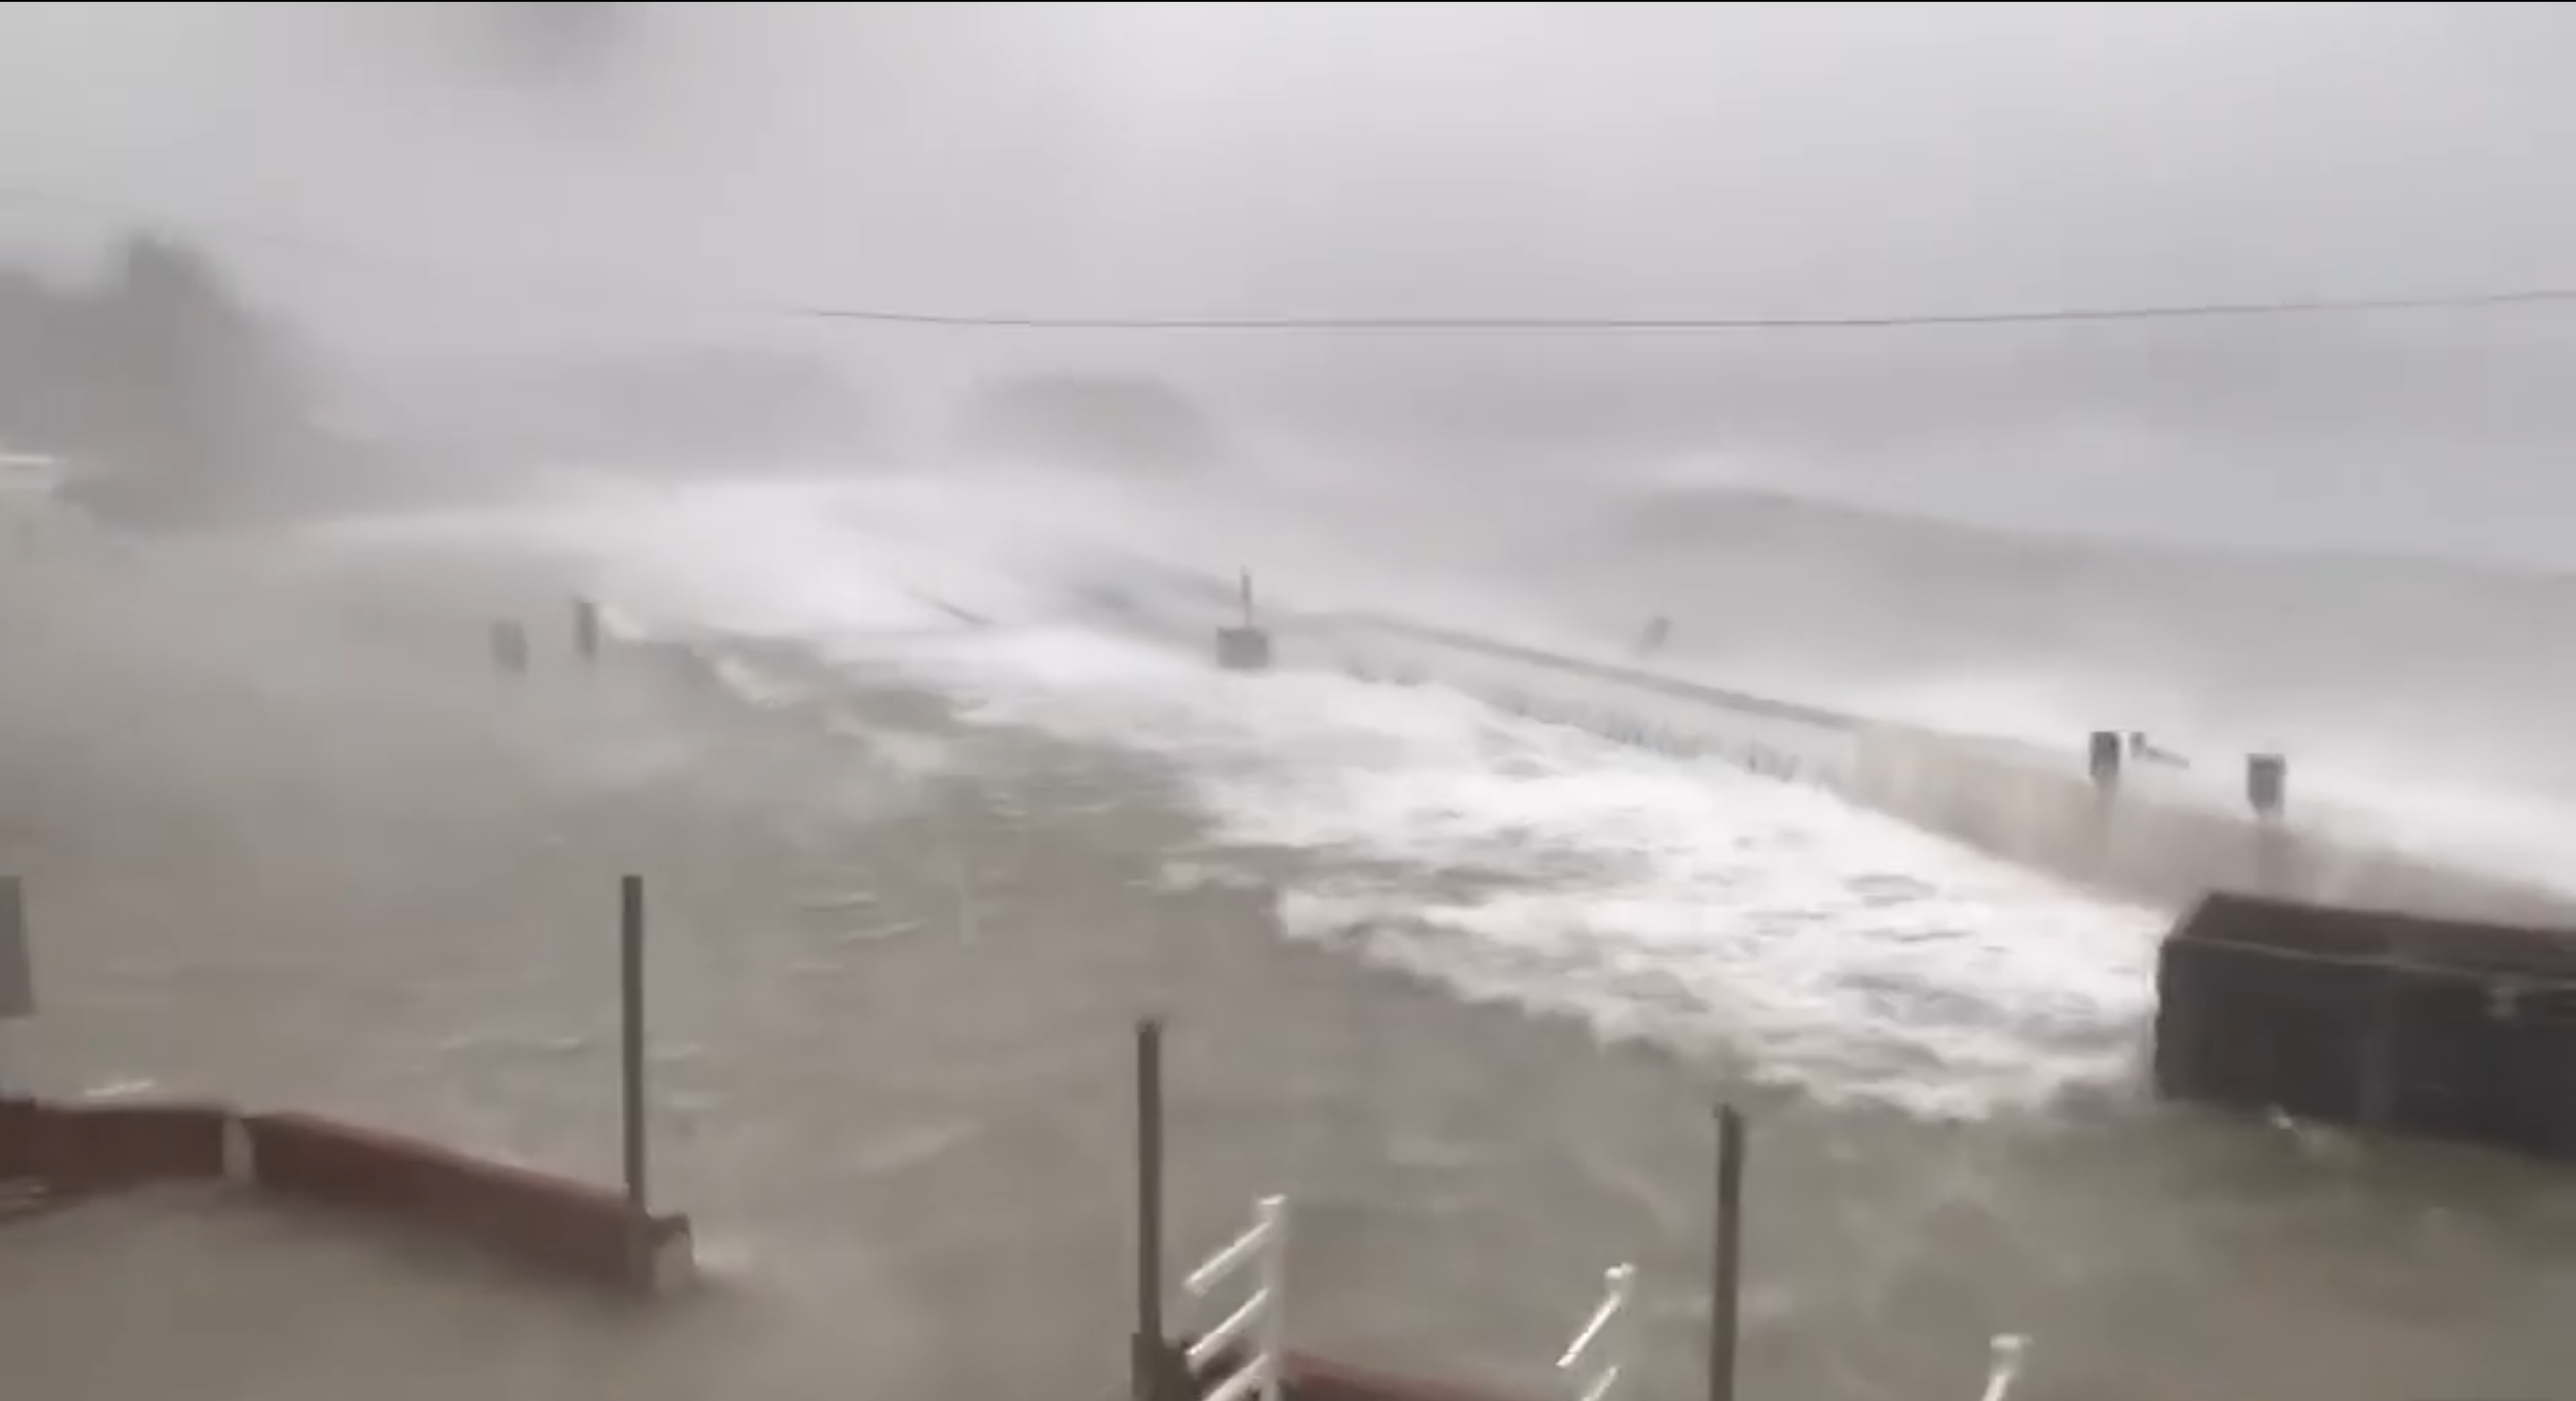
631 1048
585 629
1147 1362
1727 1259
17 964
510 648
1247 597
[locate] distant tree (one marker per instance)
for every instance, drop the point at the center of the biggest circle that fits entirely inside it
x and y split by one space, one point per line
1107 422
159 382
553 39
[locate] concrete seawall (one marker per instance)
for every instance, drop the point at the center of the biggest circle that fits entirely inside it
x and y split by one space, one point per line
2166 844
2163 838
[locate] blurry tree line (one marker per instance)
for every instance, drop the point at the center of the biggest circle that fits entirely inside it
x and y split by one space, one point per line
163 388
174 400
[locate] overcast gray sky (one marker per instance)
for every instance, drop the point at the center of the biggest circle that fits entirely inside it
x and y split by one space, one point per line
1802 156
1377 158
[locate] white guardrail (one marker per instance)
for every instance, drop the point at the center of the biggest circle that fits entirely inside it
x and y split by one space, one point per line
2006 1365
1259 1324
1604 1339
1256 1331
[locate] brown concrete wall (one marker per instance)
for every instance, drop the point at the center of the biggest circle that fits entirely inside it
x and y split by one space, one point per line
568 1227
565 1227
1319 1379
80 1149
1313 1378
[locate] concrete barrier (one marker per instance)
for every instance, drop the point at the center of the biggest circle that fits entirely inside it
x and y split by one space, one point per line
53 1150
2395 1023
2145 832
1626 705
1307 1377
1319 1379
569 1228
552 1222
2155 839
74 1150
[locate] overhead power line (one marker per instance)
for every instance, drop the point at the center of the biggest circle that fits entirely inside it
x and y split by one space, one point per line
592 286
2183 311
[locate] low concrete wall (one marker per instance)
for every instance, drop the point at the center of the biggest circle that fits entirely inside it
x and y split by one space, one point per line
572 1229
1805 744
2161 844
1321 1379
2162 838
81 1149
1308 1377
567 1227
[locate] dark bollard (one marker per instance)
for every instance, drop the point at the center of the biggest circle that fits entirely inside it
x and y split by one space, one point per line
2105 759
2267 778
585 629
510 648
1659 629
1245 647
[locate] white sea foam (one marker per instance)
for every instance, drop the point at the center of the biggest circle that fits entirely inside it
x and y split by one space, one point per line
1677 900
1685 902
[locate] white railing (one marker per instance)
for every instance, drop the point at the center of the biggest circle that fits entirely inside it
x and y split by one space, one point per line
1257 1329
1254 1335
1603 1340
2006 1365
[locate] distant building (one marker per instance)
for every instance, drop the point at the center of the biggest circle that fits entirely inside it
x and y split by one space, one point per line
24 474
33 502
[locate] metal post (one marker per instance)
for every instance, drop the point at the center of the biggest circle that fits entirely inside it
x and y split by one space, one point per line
585 629
1247 598
1726 1264
631 1051
510 648
17 964
1148 1365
